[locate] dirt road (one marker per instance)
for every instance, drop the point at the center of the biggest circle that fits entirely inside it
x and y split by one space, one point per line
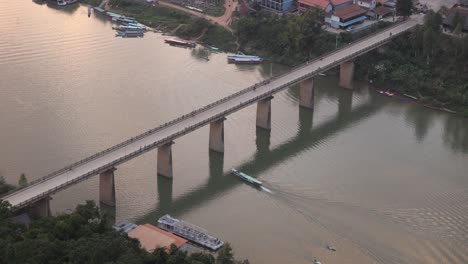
224 20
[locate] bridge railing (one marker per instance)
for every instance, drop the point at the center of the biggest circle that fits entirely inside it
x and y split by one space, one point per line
224 99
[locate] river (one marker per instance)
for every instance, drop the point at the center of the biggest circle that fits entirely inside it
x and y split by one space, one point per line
383 180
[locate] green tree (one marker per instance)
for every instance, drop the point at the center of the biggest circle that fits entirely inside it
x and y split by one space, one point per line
225 255
23 181
202 258
160 255
404 7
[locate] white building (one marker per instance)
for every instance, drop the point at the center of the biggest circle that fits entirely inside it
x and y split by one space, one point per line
367 4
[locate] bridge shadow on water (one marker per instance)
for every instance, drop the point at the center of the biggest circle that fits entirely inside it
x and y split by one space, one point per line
307 137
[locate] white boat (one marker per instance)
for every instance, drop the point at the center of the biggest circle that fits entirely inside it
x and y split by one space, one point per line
244 59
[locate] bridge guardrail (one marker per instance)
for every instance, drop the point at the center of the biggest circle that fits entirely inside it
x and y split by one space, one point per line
211 105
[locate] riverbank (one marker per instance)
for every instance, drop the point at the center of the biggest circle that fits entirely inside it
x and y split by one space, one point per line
302 38
180 23
85 236
426 64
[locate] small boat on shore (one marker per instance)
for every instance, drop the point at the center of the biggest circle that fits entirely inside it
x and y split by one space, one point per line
190 232
247 178
213 48
129 34
387 93
176 42
66 2
130 28
244 59
99 10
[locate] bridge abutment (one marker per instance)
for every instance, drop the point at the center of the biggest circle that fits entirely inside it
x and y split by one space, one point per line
107 187
217 135
306 93
40 208
165 160
347 74
264 113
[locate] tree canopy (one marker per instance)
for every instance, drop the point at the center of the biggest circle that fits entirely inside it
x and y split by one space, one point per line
404 7
83 236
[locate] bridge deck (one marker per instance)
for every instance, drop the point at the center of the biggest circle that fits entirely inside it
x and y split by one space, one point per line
167 132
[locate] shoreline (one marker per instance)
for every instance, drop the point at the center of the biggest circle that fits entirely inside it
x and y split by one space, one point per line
419 101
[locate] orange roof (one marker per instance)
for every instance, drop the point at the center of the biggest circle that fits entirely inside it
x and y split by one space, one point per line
349 12
317 3
151 237
339 2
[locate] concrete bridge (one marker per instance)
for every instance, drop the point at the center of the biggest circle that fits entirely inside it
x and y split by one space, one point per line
306 137
35 198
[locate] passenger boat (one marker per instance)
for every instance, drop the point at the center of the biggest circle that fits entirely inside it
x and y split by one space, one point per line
130 28
125 20
247 178
180 43
129 34
190 232
244 59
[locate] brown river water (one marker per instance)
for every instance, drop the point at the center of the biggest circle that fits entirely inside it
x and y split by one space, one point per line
381 179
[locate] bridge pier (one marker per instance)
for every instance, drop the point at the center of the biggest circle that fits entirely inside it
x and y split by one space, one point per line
40 208
347 74
264 113
217 135
165 160
107 187
306 93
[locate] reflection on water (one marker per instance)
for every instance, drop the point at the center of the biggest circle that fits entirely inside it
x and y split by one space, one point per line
421 120
456 133
382 180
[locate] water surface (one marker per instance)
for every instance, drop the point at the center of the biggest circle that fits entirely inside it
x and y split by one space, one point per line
383 180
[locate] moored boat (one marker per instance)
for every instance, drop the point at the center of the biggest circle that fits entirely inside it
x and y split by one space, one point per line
190 232
244 59
183 43
247 178
129 34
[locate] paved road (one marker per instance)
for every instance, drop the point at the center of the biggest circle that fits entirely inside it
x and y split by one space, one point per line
201 117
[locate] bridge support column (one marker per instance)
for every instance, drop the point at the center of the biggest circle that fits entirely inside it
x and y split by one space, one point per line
306 93
40 208
165 160
217 135
107 187
264 113
347 74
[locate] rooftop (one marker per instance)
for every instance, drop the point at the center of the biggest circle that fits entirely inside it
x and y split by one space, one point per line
339 2
350 12
382 10
151 237
450 19
317 3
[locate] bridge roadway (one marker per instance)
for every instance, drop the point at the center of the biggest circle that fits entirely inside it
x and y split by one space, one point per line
166 133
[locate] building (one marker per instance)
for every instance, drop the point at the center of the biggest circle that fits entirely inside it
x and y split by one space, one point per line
339 4
367 4
459 10
151 237
305 5
382 11
347 16
276 5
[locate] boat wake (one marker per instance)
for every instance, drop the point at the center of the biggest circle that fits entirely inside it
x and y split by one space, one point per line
263 188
